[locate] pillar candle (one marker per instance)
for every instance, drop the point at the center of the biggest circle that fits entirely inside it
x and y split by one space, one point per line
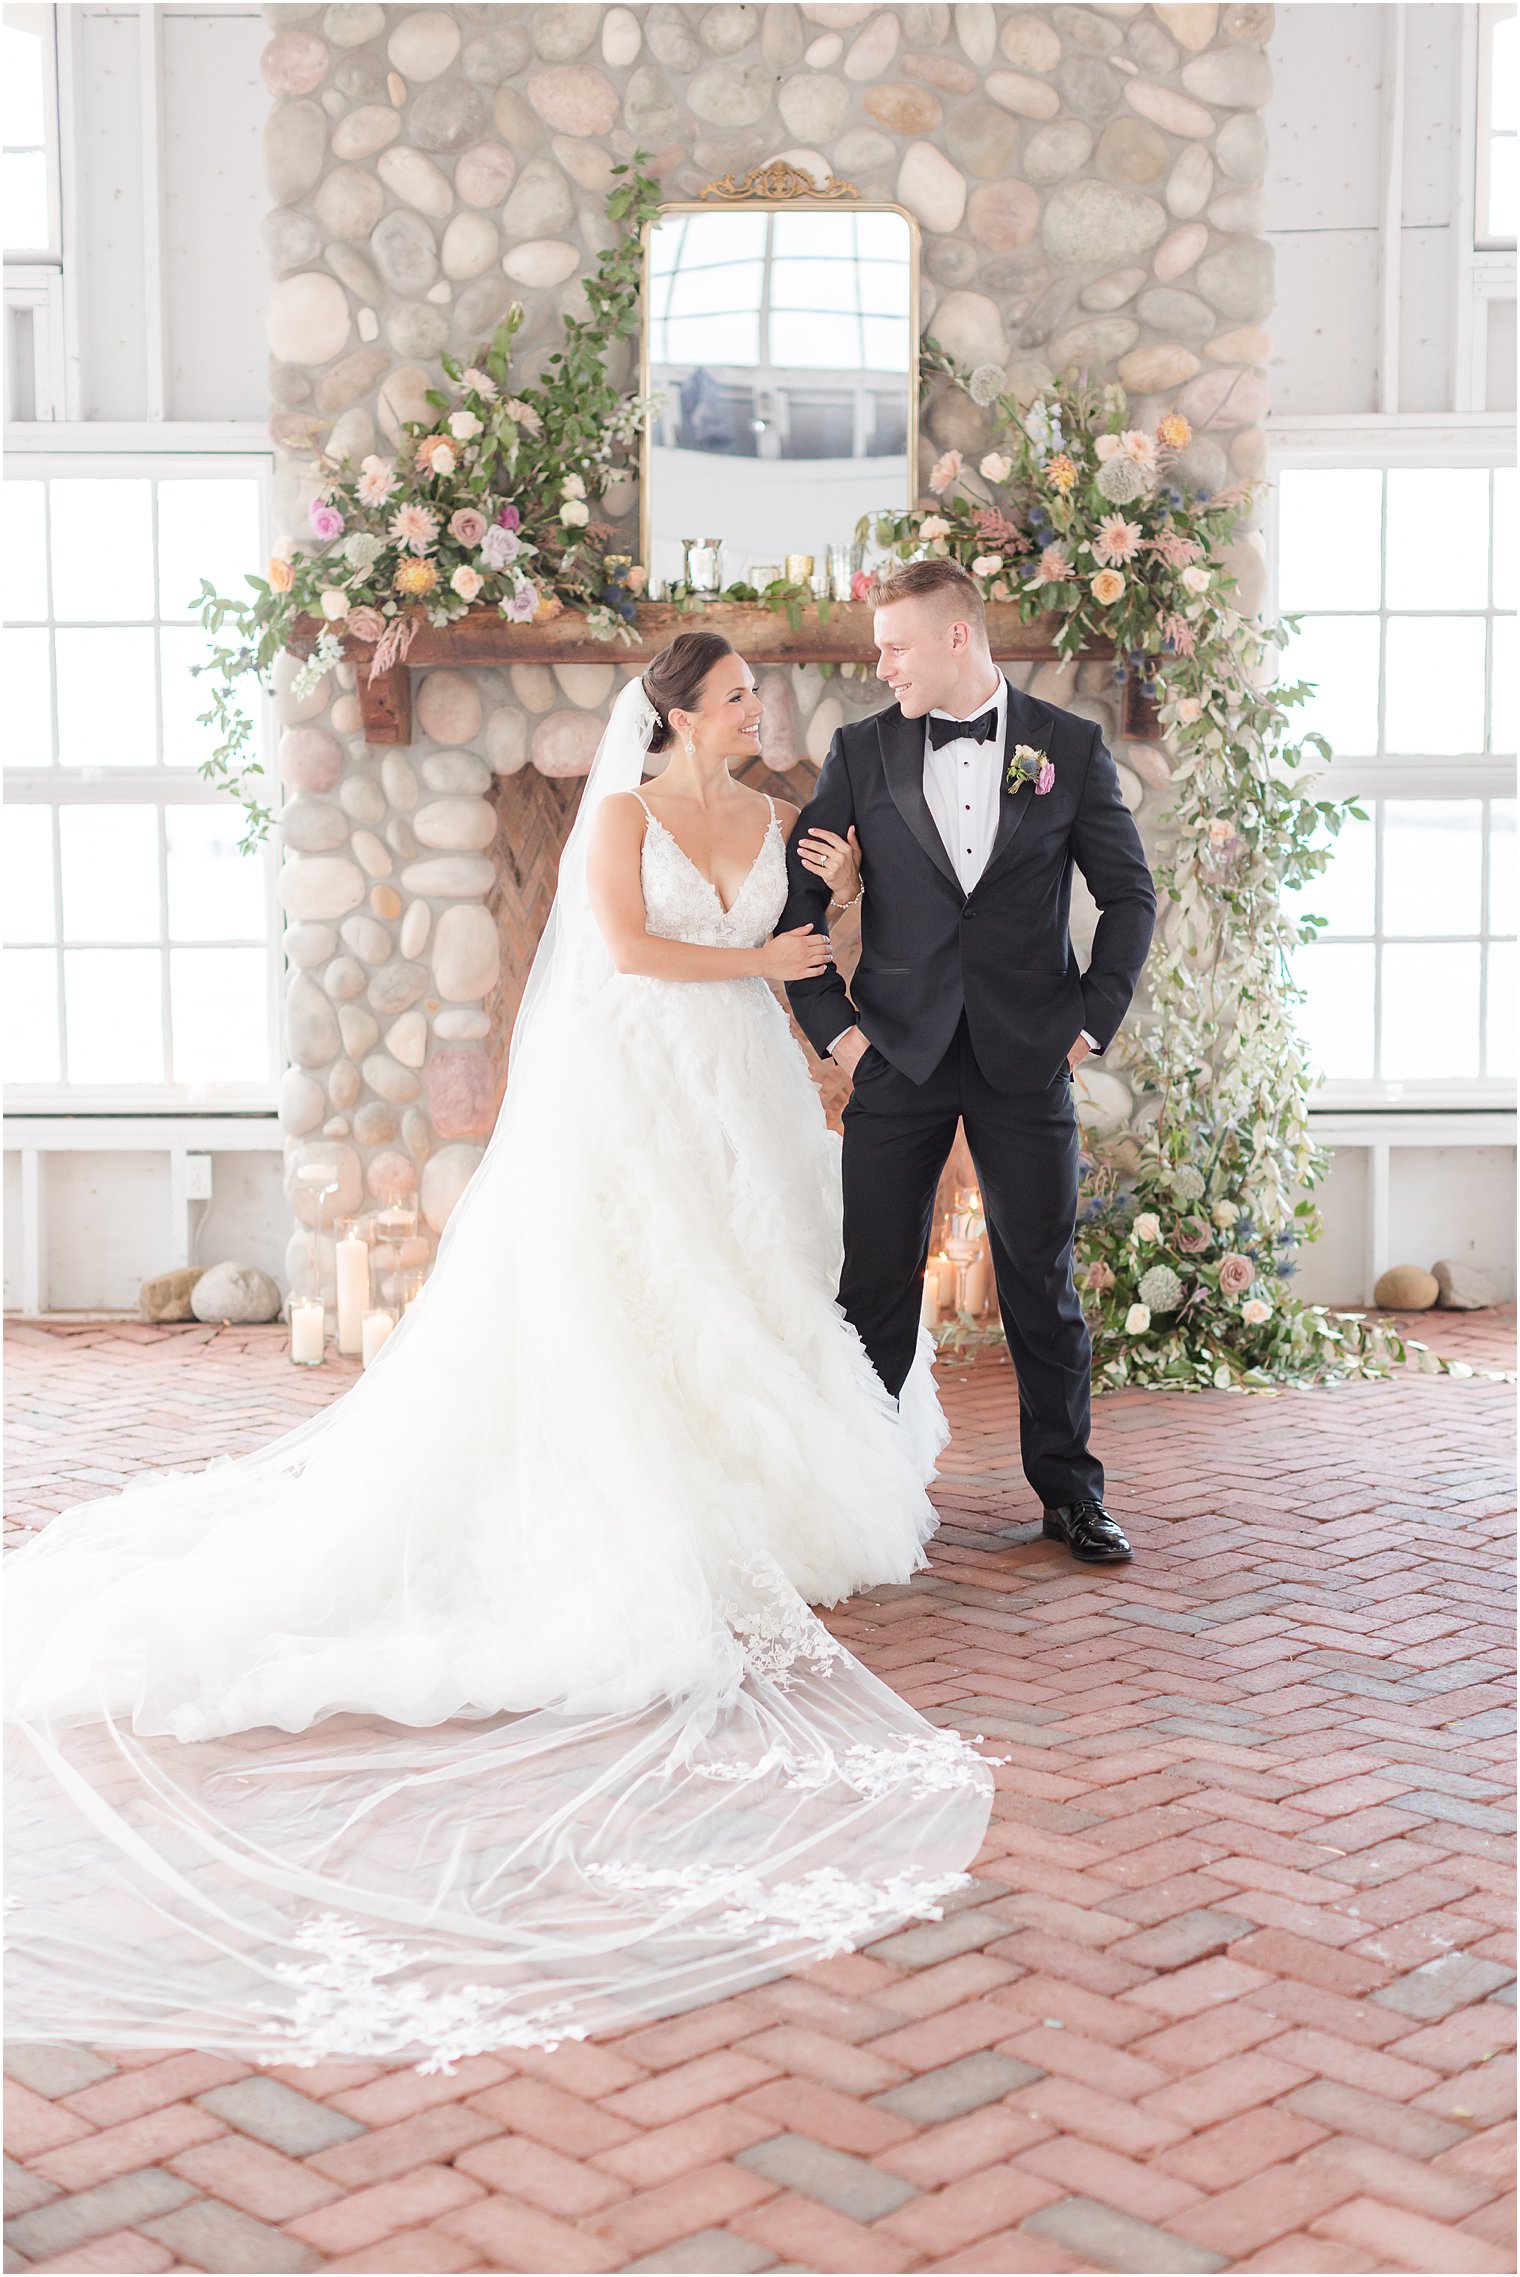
306 1324
929 1310
943 1270
352 1256
377 1327
978 1284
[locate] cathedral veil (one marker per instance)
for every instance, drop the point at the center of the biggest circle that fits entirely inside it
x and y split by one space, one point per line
422 1730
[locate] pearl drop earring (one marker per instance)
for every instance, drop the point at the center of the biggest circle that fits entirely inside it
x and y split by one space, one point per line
691 748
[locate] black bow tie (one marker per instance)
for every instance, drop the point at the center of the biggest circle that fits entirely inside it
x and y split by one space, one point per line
982 729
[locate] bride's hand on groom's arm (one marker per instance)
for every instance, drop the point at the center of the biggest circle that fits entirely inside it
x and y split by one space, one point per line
834 859
797 955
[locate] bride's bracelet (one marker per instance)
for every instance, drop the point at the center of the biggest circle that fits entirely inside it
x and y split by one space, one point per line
836 903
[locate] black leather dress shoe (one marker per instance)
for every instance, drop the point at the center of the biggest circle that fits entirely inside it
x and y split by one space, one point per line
1088 1532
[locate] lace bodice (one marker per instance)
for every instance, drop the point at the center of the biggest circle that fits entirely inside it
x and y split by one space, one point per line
680 904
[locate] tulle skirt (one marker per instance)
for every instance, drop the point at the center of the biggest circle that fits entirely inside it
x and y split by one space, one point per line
486 1708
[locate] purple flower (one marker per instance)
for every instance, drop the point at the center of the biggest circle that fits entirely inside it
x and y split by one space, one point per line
509 518
499 546
326 521
1045 780
521 605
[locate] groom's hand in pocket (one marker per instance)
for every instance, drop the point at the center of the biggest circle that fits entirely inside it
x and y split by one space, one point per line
1078 1053
847 1051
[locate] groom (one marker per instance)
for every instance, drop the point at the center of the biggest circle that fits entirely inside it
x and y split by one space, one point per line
968 1002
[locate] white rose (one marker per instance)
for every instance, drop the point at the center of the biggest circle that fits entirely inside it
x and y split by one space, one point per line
986 565
996 466
933 526
1195 578
1225 1214
1147 1226
1106 447
573 486
334 604
1255 1310
1189 709
466 581
464 426
575 513
1137 1320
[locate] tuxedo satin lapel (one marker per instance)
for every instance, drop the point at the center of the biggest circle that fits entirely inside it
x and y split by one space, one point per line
1012 805
902 753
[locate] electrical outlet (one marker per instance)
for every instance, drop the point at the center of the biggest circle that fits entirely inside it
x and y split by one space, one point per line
197 1177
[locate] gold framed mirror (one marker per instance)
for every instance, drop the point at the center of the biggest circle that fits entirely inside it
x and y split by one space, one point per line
781 332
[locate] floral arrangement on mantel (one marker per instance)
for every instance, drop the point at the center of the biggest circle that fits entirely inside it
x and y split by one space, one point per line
1187 1232
489 504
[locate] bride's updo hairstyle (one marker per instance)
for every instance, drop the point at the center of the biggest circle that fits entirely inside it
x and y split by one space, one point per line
676 677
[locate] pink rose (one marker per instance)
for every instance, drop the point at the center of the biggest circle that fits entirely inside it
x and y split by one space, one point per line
326 521
1236 1273
1045 780
365 624
509 518
468 526
1193 1235
860 585
947 469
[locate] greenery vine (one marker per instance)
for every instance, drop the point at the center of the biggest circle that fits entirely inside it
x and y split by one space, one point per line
490 502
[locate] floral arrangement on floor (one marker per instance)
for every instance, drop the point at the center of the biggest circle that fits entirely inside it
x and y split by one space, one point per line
491 504
1188 1228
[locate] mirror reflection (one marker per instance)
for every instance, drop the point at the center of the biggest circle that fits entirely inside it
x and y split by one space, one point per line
782 341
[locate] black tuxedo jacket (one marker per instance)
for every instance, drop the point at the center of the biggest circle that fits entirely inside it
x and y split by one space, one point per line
1001 953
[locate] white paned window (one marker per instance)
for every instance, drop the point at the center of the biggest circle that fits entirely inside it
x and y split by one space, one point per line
29 114
1402 579
138 941
1497 204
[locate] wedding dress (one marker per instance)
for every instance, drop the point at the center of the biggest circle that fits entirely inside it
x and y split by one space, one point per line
486 1709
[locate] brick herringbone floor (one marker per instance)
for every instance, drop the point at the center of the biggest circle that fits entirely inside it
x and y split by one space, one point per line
1231 1988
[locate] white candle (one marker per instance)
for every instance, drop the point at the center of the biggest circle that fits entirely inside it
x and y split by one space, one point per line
352 1256
978 1284
929 1310
942 1273
377 1327
306 1324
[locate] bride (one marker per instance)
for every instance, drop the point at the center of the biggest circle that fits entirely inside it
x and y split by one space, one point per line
485 1708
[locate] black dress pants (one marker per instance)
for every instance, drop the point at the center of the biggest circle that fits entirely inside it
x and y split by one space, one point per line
1025 1146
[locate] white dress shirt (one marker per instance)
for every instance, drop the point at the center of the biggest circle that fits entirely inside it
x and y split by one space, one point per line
963 786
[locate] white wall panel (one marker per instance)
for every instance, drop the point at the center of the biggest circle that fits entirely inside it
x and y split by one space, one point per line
103 219
1456 1202
1330 1271
214 105
1324 327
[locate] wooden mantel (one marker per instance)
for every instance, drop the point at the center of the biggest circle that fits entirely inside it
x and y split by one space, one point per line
483 636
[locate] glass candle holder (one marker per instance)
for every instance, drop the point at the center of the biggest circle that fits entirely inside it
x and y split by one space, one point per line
799 568
704 564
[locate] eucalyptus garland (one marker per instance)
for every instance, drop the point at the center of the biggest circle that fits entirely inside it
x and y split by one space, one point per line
1188 1228
490 503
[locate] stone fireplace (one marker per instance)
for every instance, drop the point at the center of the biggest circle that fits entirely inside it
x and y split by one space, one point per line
1086 184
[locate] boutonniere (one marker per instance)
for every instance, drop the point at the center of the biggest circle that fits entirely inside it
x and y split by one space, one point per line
1030 766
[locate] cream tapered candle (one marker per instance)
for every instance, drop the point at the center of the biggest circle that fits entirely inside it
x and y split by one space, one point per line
306 1322
352 1256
